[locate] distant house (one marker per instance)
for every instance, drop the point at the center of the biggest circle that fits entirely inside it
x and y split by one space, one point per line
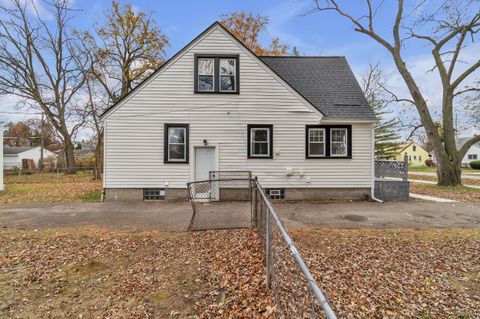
415 153
473 154
13 156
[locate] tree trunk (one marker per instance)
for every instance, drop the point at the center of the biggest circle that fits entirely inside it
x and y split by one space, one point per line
70 158
99 157
449 173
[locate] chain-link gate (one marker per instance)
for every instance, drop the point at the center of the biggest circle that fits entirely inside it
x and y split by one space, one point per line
221 203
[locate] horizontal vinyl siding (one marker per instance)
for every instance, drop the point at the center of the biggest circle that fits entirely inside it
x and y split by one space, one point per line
134 134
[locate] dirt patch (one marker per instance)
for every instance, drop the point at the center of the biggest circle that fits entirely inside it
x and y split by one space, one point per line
396 273
94 273
354 218
459 193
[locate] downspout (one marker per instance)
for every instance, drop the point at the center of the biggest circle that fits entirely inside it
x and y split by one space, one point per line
372 191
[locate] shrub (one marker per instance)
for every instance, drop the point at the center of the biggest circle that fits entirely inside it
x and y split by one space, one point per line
429 162
475 164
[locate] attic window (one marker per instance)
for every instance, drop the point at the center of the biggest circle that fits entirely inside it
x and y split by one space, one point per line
216 74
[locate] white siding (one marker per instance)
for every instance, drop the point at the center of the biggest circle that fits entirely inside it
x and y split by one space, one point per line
134 131
475 149
15 160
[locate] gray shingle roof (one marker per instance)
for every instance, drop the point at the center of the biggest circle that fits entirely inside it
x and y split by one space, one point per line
15 150
326 82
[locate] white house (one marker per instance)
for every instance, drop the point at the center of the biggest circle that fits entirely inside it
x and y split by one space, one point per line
473 154
300 124
13 156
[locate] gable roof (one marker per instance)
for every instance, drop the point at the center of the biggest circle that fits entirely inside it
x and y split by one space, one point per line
326 82
300 79
8 150
404 146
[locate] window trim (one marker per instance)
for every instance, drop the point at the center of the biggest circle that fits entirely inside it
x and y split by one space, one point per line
270 140
166 144
328 141
216 73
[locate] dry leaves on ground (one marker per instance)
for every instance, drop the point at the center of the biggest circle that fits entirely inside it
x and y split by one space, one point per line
93 273
459 193
465 179
50 187
396 274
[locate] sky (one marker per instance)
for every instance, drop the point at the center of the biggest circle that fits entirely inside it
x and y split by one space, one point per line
323 33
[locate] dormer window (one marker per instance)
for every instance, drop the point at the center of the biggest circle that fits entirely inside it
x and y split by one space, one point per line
216 74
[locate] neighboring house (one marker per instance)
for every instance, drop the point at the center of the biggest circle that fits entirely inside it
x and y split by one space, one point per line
13 156
473 154
300 124
416 154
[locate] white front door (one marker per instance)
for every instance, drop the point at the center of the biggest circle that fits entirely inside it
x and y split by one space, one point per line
204 162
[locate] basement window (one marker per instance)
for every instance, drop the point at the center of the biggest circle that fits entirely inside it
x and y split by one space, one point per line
275 193
153 193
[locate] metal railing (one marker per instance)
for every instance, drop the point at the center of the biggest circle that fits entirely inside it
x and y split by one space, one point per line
229 175
236 202
296 292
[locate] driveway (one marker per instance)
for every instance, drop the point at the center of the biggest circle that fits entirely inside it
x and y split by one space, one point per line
410 214
176 216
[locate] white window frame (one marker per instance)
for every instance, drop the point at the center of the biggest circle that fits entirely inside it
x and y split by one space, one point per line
346 141
252 142
472 156
200 74
220 75
324 142
184 144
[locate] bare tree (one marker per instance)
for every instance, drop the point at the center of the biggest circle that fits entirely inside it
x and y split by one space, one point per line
453 26
118 56
36 65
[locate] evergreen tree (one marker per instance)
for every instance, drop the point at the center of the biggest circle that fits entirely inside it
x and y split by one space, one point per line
386 130
295 52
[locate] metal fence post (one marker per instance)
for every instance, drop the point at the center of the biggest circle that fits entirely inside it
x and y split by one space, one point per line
268 246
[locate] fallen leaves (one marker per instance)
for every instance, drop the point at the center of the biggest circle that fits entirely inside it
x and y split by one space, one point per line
50 187
459 193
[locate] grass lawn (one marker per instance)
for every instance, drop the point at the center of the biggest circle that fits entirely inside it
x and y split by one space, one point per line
434 169
459 193
465 179
50 187
93 273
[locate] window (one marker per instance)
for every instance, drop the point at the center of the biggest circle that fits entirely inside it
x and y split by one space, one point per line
472 156
414 148
419 157
328 141
410 158
260 141
227 75
176 143
414 157
338 142
275 193
316 142
216 74
153 193
206 74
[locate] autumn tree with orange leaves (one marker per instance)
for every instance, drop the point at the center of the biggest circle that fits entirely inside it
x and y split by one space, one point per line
247 27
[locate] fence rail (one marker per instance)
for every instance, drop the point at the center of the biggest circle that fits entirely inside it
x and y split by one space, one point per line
235 202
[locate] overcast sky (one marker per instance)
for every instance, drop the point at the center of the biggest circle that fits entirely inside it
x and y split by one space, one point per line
313 34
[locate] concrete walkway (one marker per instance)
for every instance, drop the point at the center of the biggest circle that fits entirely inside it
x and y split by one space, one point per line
432 198
176 216
431 182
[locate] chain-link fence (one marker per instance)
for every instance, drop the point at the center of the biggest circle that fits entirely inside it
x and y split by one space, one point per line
27 175
221 204
233 201
297 295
